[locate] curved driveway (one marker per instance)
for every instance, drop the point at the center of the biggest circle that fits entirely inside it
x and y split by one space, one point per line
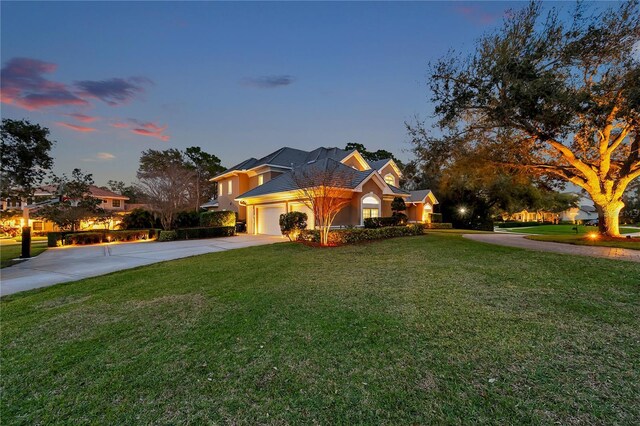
64 264
519 240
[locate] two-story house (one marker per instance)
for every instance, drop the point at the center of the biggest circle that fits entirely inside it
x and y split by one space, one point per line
260 190
110 201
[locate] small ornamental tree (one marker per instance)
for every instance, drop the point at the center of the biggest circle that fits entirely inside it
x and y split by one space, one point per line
322 188
398 206
292 223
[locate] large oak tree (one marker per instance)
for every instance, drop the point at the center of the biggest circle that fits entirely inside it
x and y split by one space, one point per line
555 95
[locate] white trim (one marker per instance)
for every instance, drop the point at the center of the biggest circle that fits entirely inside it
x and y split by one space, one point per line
358 157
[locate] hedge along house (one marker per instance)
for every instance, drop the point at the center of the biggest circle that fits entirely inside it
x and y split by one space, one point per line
260 190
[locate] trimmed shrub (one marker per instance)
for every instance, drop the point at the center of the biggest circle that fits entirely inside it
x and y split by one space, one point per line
84 238
358 235
167 236
187 219
292 223
398 219
217 219
434 225
517 224
202 232
55 239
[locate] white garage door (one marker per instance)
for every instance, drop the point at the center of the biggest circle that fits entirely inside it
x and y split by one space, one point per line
269 220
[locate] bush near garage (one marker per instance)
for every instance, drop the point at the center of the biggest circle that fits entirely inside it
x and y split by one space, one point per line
292 223
358 235
217 219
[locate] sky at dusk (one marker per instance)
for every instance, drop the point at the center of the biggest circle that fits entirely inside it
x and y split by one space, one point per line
237 79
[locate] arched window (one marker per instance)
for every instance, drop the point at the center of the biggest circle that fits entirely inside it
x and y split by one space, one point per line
390 179
370 206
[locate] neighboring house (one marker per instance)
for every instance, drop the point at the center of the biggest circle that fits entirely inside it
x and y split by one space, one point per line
111 202
260 190
585 212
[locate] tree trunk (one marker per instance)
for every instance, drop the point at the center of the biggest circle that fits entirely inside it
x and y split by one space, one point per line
609 218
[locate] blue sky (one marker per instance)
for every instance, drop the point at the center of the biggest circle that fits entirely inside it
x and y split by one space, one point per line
237 79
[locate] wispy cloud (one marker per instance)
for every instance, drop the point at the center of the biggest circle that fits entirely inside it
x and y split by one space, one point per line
476 15
105 156
143 128
22 83
115 91
268 81
82 117
75 127
100 156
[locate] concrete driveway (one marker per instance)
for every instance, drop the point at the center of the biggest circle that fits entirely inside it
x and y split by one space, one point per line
519 240
64 264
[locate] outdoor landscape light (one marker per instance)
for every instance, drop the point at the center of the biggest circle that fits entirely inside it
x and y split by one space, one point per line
593 235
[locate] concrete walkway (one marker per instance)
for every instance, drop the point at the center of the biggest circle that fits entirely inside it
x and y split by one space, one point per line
519 240
64 264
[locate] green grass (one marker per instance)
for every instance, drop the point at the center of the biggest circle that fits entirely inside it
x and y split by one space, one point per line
8 252
580 240
418 330
563 230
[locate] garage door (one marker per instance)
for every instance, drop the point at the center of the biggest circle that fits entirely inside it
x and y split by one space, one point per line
268 220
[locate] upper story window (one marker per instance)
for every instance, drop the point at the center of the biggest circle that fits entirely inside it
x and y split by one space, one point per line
219 188
230 187
115 203
390 179
260 179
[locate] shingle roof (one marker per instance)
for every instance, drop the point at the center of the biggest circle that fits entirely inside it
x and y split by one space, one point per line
378 164
417 196
290 157
100 192
397 190
210 203
345 177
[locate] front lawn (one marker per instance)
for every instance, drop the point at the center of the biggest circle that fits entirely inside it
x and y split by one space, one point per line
8 252
563 230
580 240
418 330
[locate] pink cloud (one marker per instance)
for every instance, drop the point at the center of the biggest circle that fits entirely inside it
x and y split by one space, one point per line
22 83
152 133
76 128
119 125
83 118
150 129
476 15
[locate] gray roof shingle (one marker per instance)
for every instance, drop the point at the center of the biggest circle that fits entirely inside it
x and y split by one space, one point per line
378 164
417 196
344 177
290 157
